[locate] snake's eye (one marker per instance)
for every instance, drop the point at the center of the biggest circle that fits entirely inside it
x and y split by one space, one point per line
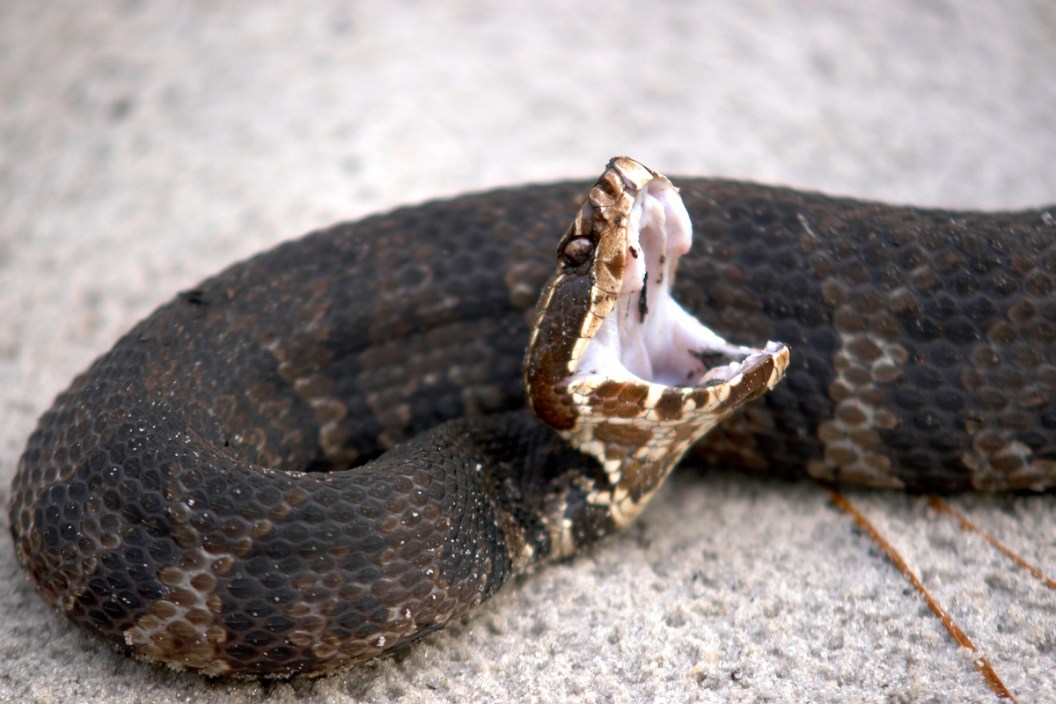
577 251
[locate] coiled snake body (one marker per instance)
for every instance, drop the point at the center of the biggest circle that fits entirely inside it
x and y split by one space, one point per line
173 498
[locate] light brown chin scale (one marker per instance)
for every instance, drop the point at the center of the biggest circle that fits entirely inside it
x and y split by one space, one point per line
614 363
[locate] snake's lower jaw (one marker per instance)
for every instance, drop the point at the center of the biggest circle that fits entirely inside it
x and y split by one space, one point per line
638 431
680 415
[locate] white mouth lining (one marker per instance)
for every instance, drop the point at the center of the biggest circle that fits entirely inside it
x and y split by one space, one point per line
655 340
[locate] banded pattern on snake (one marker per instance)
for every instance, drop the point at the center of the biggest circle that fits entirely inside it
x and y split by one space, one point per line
205 496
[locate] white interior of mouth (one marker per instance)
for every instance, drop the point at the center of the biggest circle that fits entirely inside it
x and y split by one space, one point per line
658 341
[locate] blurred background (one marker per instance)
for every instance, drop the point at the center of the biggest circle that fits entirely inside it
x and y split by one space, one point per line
145 144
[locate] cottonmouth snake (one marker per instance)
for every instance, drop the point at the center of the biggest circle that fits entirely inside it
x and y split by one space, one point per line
321 453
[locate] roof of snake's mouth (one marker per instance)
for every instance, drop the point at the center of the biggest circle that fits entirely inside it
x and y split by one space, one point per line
647 336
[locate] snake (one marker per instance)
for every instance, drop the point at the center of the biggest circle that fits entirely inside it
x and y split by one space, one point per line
340 445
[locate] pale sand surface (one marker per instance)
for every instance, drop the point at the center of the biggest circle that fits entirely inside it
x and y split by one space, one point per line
145 144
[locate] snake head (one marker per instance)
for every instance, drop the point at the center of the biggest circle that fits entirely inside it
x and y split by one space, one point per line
614 363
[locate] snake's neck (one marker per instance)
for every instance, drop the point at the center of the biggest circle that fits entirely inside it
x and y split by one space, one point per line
615 364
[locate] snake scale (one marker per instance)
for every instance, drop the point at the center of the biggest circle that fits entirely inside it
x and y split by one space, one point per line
322 453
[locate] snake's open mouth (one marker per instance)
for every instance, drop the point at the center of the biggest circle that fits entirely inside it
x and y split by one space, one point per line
648 336
610 342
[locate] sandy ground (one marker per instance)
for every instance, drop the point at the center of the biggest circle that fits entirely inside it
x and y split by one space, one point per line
144 144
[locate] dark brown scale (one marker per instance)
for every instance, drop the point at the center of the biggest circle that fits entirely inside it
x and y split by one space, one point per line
920 339
939 292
